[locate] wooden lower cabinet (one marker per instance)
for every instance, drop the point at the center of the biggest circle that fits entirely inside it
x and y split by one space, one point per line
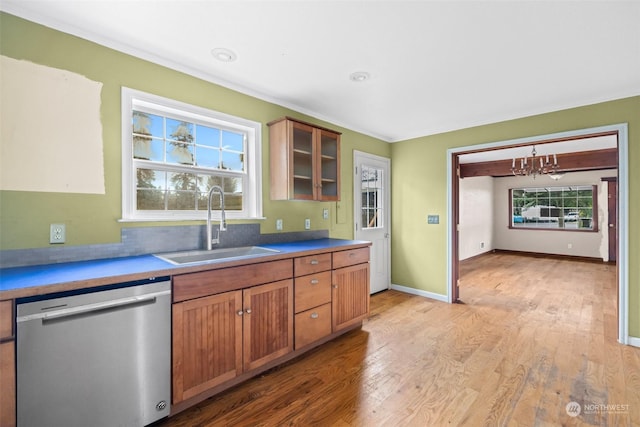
7 365
218 337
232 323
268 323
207 343
7 384
313 325
350 295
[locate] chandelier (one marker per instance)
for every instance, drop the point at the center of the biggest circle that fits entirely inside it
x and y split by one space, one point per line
536 165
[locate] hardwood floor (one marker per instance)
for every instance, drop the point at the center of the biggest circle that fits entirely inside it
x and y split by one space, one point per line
532 335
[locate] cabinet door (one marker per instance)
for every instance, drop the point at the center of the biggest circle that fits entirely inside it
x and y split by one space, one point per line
268 322
350 295
327 165
8 383
7 365
304 164
305 161
207 343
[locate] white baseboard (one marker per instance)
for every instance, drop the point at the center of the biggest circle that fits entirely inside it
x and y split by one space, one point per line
634 341
419 292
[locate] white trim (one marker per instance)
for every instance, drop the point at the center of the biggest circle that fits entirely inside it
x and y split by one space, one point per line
623 208
634 341
252 182
419 292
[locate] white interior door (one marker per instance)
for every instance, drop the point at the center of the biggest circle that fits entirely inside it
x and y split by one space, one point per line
371 195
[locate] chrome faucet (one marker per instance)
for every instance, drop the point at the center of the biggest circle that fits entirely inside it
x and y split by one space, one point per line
223 222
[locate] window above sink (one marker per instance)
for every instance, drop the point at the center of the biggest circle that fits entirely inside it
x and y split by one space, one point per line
174 152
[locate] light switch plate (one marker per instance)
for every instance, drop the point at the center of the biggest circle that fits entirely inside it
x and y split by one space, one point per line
307 224
325 213
279 224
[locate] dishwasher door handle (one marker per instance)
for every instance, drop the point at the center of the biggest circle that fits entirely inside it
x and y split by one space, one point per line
95 307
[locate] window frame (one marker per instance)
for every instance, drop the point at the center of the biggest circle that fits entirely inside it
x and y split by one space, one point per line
132 99
594 209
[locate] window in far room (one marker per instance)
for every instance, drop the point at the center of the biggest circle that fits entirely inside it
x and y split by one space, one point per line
553 208
173 153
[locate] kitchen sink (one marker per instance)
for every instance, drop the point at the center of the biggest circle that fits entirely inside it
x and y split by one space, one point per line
202 256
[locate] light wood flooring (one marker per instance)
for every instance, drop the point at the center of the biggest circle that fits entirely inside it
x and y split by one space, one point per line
531 336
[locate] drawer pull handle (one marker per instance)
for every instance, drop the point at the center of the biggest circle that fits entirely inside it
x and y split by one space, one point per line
352 254
315 262
314 315
247 310
240 312
314 281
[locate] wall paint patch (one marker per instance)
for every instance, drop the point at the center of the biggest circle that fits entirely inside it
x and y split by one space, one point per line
51 130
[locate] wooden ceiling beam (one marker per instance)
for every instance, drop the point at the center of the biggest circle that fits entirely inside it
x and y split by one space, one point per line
567 162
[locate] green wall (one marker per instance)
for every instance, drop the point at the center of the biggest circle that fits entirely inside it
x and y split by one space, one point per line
93 219
419 187
418 169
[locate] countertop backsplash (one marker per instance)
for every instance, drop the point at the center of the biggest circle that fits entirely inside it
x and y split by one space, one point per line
148 240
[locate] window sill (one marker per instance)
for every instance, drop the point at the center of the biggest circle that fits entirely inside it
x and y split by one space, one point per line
179 219
579 230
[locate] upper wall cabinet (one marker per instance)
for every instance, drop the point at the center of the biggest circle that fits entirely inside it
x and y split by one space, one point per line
305 161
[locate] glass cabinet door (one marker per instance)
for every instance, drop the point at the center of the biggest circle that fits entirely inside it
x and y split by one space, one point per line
303 165
304 161
329 165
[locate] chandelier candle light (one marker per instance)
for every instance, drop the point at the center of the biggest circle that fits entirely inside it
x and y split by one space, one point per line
535 166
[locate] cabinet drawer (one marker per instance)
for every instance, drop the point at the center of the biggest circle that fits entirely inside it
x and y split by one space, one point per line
312 264
350 257
195 285
312 290
312 325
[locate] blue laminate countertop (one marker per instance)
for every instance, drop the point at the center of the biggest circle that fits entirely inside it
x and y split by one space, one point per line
51 274
310 245
40 279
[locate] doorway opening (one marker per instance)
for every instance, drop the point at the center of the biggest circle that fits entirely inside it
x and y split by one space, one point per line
453 187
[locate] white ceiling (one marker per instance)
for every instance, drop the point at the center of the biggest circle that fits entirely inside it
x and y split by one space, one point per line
435 66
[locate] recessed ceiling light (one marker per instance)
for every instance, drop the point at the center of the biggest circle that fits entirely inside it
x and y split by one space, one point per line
223 54
359 76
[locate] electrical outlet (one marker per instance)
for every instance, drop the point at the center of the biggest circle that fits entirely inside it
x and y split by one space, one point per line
325 213
57 233
279 224
307 224
481 245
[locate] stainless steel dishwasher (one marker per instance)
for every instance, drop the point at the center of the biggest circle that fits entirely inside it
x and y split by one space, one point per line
98 358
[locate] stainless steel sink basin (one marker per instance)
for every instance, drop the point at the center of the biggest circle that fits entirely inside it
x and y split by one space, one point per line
202 256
